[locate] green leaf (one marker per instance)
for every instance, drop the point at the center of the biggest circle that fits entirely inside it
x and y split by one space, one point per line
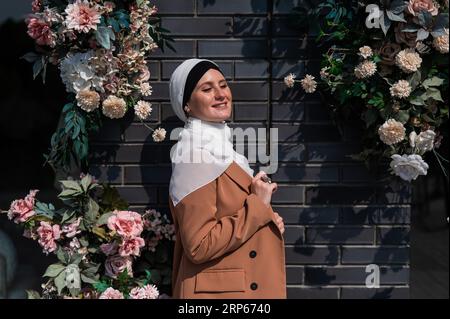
402 116
434 93
104 35
394 17
100 232
93 208
86 182
60 282
33 294
370 117
31 57
88 279
62 256
103 220
71 185
69 192
53 270
67 216
434 81
414 79
101 286
422 35
67 107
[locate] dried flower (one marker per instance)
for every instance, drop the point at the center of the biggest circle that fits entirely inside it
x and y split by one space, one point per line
365 69
114 107
408 60
401 89
289 80
441 43
309 84
391 132
365 52
159 134
88 100
142 109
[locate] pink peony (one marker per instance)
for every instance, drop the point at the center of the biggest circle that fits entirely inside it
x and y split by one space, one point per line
131 246
114 265
72 229
416 6
111 293
146 292
82 17
40 31
22 209
36 5
109 249
126 223
47 236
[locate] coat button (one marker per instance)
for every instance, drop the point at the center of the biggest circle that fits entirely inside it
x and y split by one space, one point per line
252 254
254 286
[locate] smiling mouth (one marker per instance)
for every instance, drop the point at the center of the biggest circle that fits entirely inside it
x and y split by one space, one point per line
221 105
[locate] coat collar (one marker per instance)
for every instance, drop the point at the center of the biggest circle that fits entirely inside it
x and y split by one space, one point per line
237 174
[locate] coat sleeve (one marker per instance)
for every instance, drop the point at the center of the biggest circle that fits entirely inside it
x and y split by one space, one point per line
204 237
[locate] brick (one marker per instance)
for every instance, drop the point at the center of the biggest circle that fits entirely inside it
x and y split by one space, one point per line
393 235
285 7
317 112
358 173
250 111
379 293
138 194
107 174
131 153
154 68
288 194
169 66
167 115
281 68
340 235
302 173
163 195
294 275
308 215
140 133
395 193
231 7
311 255
249 91
196 26
376 215
294 235
288 112
184 49
340 195
251 48
174 6
291 152
312 293
245 26
375 255
147 174
110 131
281 27
160 91
305 133
289 48
332 152
353 275
251 69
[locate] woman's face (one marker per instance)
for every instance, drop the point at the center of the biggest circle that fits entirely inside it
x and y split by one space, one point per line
211 99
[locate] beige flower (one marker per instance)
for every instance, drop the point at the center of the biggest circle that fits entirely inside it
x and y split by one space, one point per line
365 52
88 100
408 60
401 89
142 109
416 6
441 43
289 80
309 84
159 134
114 107
146 89
365 69
391 132
324 73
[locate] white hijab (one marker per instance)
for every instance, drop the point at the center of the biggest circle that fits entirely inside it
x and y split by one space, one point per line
204 149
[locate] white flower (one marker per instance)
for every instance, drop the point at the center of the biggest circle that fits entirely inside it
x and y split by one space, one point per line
365 69
289 80
159 134
88 100
365 52
114 107
423 142
309 84
146 89
142 109
408 167
401 89
391 132
324 73
77 73
408 60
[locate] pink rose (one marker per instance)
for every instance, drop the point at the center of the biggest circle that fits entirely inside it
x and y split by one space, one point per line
72 229
416 6
22 209
47 236
114 265
40 30
144 75
131 246
36 5
126 223
109 249
111 293
146 292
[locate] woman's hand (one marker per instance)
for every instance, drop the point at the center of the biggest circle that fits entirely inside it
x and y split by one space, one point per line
279 222
262 189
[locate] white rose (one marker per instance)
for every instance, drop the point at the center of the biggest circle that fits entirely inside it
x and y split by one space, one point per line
408 167
423 142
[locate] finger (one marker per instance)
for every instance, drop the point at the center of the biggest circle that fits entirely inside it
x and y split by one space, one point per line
259 175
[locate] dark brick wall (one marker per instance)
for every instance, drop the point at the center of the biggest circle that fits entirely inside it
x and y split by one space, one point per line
339 217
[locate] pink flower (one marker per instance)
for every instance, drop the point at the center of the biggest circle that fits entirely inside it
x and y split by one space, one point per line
82 17
416 6
146 292
109 249
72 229
126 223
144 74
40 31
22 209
111 293
47 236
131 246
36 5
114 265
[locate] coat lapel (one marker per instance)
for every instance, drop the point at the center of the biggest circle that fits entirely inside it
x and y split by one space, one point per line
237 174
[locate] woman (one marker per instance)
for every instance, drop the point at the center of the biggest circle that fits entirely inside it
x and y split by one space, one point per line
229 240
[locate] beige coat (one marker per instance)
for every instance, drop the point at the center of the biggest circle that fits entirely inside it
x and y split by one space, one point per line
228 245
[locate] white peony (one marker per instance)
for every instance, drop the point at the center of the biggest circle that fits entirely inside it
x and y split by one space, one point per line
423 142
77 73
408 167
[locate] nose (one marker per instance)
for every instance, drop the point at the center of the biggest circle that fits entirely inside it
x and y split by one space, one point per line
219 94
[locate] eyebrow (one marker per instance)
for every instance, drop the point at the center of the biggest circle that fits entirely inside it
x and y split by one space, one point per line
211 82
